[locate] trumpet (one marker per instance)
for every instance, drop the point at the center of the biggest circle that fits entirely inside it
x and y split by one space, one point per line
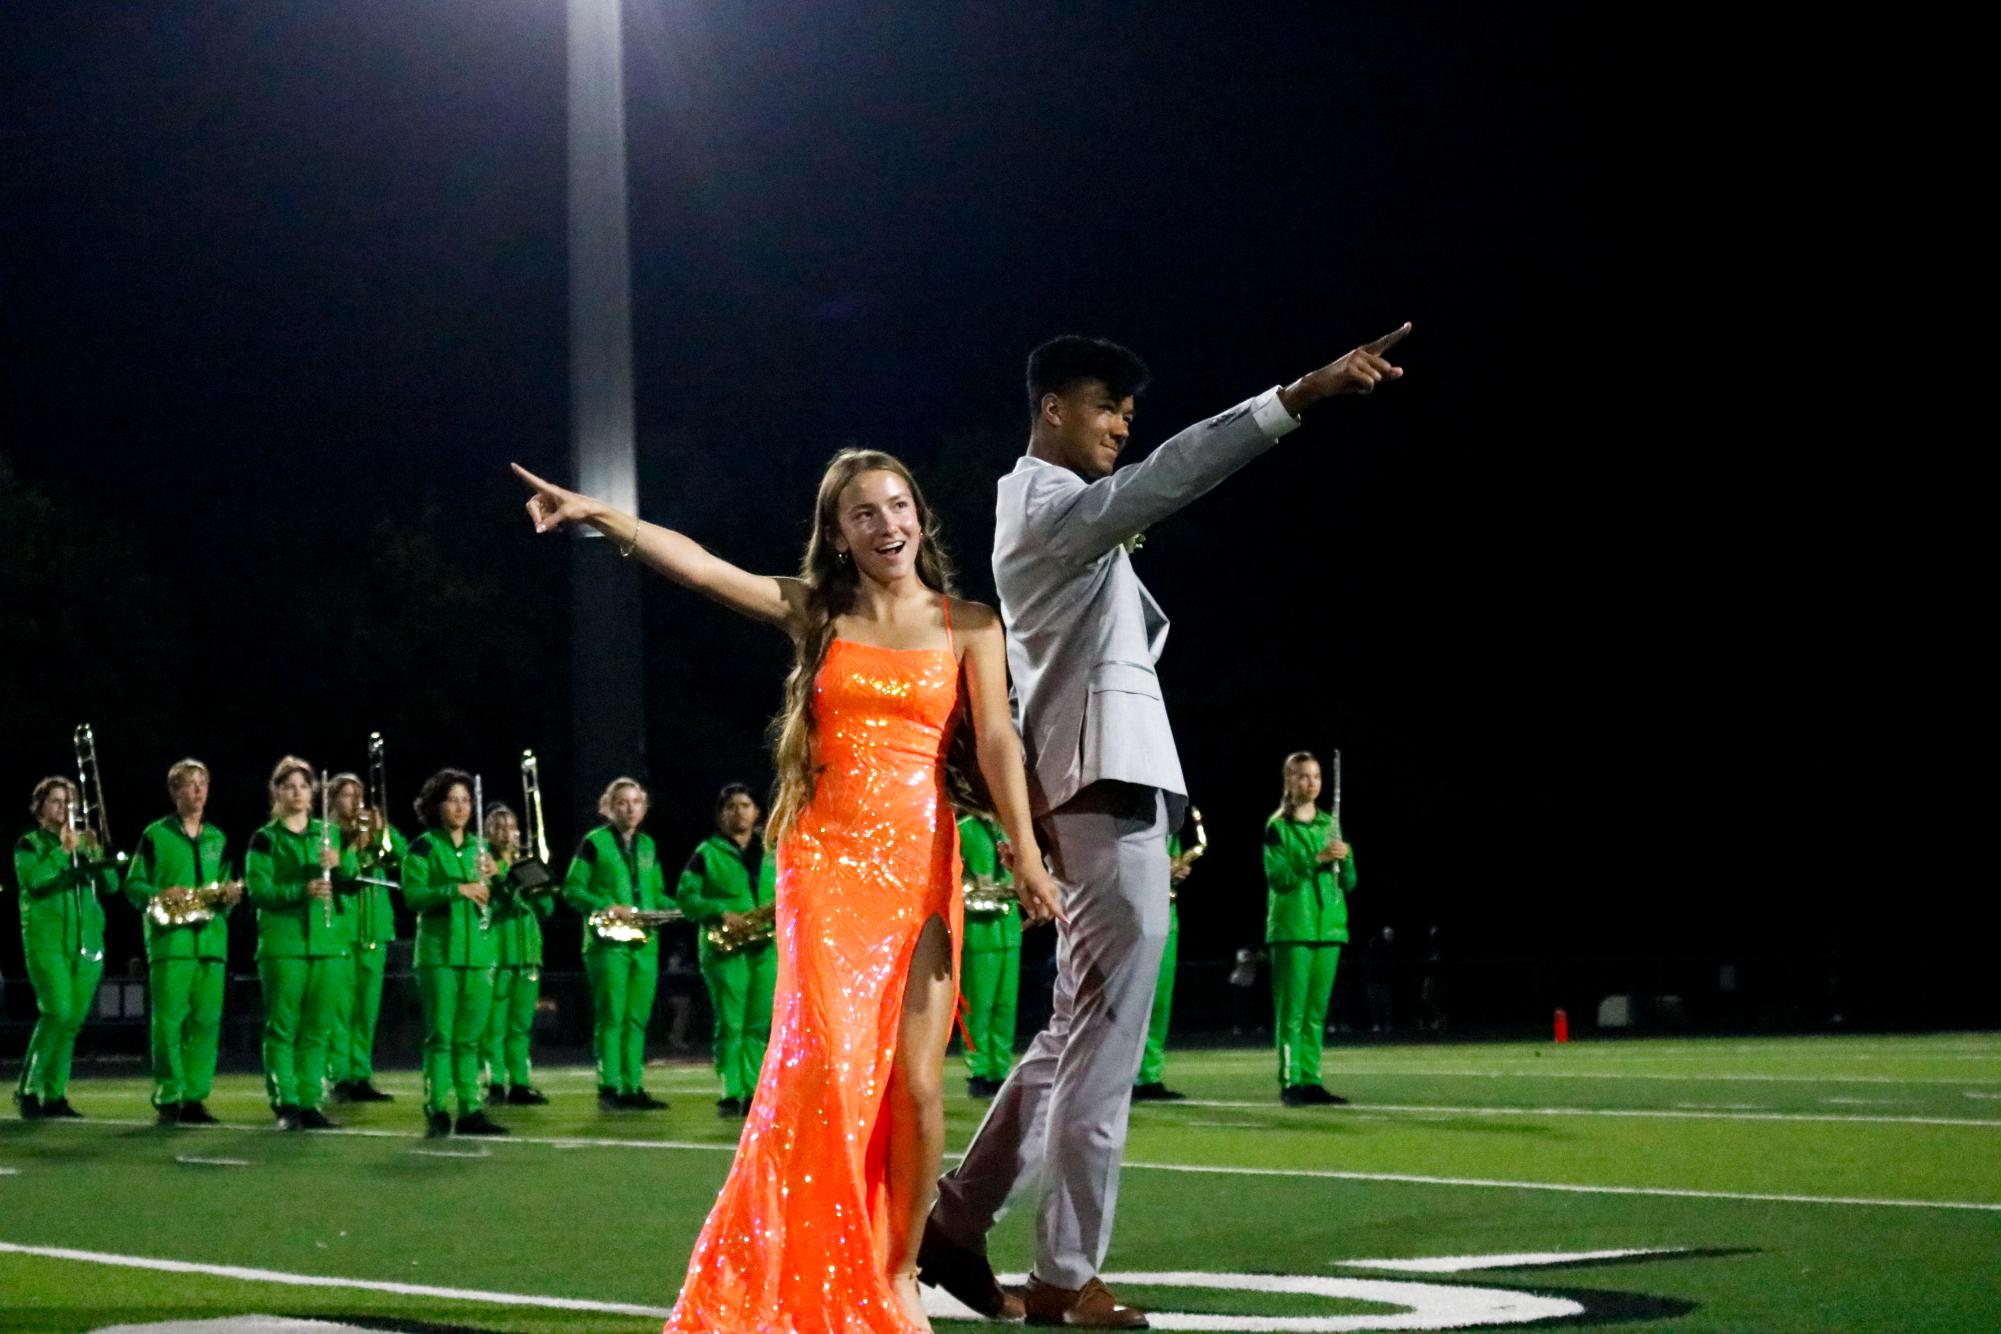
91 823
190 907
983 895
637 925
530 873
757 925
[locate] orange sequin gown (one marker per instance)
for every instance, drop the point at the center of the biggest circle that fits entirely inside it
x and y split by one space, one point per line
797 1239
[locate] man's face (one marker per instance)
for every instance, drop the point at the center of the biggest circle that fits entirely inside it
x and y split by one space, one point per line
739 815
54 813
191 797
1089 425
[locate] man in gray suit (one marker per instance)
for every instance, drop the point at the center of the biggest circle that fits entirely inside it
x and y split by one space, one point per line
1105 782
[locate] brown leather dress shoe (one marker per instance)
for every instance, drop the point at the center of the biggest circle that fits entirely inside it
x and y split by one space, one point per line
1089 1307
964 1272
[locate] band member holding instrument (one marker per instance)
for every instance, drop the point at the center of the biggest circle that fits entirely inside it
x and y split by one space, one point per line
1147 1085
300 881
990 960
730 876
1309 873
61 869
377 847
447 881
517 976
179 878
617 869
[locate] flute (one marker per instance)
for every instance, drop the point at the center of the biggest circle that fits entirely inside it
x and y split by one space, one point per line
1334 796
326 846
479 849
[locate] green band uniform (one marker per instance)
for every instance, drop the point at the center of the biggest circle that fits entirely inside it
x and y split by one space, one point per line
1153 1057
351 1054
517 983
1306 924
62 943
453 959
186 966
989 958
302 956
608 871
722 878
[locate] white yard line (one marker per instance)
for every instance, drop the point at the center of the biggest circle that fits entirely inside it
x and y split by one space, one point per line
212 1162
1681 1113
1461 1264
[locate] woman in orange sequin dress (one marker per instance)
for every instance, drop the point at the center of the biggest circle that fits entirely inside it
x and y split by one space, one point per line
817 1228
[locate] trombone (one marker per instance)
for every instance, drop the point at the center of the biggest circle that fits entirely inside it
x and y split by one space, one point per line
530 873
91 823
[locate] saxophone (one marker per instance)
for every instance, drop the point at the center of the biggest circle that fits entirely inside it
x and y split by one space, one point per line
758 925
985 896
1186 861
637 927
190 907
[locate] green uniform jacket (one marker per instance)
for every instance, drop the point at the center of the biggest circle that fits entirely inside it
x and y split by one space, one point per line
276 871
55 918
979 852
517 925
448 923
371 912
166 858
719 879
1305 903
604 873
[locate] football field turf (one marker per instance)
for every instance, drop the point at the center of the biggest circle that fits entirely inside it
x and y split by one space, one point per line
1821 1184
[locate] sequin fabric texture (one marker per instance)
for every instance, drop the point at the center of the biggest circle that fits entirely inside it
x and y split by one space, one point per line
797 1239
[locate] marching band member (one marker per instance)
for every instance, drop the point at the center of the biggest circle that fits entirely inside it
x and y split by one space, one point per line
616 867
990 958
447 881
186 960
291 873
351 1057
62 941
517 975
1147 1085
1309 872
730 875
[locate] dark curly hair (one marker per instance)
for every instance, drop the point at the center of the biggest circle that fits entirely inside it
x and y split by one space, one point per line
436 788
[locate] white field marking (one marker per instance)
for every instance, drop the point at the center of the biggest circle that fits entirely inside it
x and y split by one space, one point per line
553 1141
1971 1094
10 1171
1337 1072
1232 1125
454 1153
1722 1106
212 1162
1674 1114
1670 1192
1459 1264
320 1281
1206 1169
1866 1102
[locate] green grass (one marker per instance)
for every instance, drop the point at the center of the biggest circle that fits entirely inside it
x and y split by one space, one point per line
1869 1120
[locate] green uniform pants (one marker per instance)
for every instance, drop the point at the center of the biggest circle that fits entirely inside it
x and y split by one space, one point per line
456 1001
623 979
990 980
65 982
1302 983
351 1050
740 990
186 999
300 998
505 1057
1153 1058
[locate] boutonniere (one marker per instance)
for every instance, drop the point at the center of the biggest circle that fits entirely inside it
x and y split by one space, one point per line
1134 543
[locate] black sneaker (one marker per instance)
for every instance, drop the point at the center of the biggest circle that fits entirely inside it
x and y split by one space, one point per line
475 1123
521 1095
59 1108
194 1114
642 1101
979 1086
610 1100
729 1108
342 1090
496 1095
1295 1095
1156 1092
312 1118
1320 1097
30 1105
360 1090
288 1118
437 1125
167 1114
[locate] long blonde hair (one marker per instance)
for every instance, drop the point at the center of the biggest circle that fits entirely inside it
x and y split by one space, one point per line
1293 764
831 588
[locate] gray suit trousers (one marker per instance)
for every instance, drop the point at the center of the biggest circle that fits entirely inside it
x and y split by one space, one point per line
1060 1118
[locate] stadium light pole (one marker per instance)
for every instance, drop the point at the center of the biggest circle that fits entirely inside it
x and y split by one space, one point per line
607 698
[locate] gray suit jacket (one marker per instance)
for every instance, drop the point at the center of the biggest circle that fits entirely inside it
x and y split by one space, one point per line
1083 633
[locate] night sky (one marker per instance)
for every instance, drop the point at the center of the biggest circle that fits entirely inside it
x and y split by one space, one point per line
286 290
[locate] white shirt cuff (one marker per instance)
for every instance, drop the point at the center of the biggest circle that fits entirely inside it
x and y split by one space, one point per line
1271 416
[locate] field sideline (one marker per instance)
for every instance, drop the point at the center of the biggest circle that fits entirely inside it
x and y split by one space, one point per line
1730 1185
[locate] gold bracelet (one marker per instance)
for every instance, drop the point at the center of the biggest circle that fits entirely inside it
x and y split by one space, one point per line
625 547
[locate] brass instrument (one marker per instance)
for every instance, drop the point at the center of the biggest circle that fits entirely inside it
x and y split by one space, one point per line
638 925
375 804
530 873
91 823
759 924
190 907
1189 856
984 895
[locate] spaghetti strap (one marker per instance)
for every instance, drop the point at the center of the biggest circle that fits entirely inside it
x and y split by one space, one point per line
950 648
